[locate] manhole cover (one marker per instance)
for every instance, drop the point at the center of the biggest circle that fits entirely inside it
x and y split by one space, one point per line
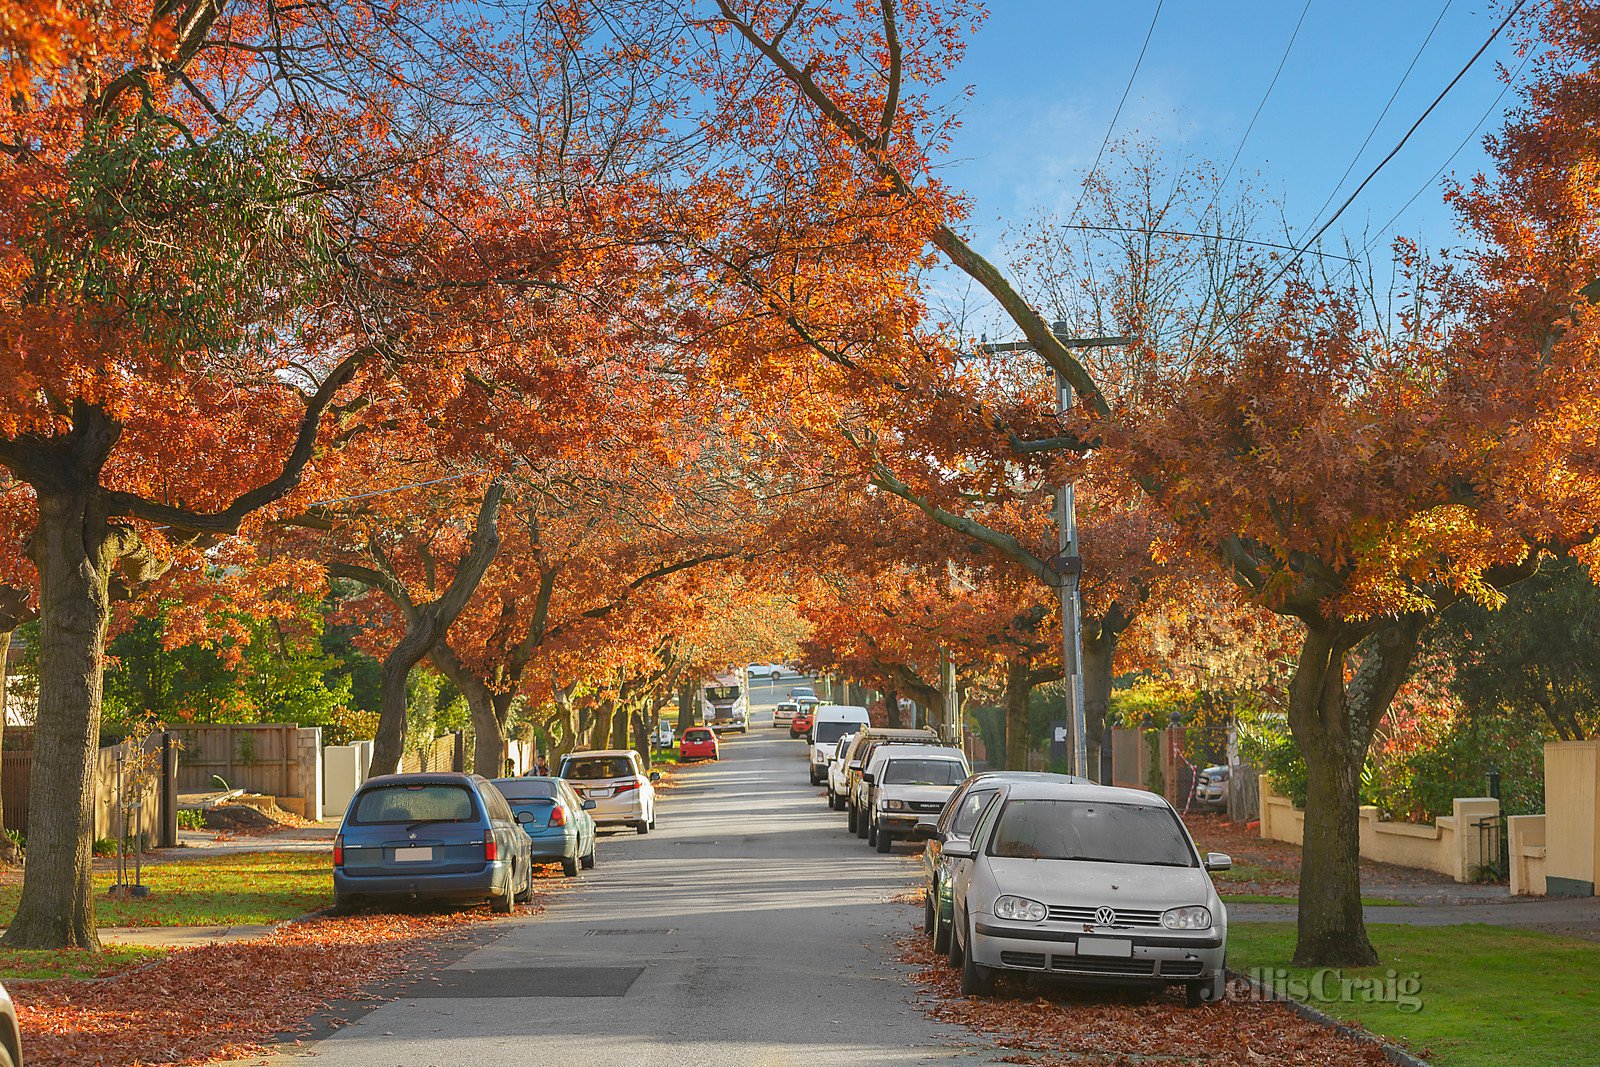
637 930
529 982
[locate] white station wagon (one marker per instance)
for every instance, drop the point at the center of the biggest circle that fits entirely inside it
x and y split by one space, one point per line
1089 883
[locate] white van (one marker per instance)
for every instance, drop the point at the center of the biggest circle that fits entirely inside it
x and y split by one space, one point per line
829 723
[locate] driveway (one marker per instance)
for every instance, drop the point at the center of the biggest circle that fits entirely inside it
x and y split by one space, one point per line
749 928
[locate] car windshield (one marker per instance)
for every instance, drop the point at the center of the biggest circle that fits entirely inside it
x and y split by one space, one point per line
697 735
801 692
924 772
515 789
829 732
415 803
722 694
1091 831
588 770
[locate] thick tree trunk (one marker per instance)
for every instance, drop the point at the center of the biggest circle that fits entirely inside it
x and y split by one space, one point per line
1333 727
685 708
891 704
388 744
74 550
1019 687
1098 654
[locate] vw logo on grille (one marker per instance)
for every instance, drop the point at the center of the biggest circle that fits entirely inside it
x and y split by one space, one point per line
1105 917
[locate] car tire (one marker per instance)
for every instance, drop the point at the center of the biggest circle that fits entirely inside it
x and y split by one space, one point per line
941 933
927 913
569 866
872 834
952 952
526 896
1194 994
505 903
861 823
885 840
850 817
812 774
976 979
587 861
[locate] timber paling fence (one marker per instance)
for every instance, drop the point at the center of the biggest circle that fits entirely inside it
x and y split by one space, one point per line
255 757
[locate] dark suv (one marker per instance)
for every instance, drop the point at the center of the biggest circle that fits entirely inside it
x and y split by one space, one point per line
430 837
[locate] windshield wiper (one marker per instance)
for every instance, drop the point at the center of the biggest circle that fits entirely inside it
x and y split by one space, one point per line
425 822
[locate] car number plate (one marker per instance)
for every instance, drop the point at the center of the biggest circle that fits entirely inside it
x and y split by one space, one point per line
413 855
599 793
1105 946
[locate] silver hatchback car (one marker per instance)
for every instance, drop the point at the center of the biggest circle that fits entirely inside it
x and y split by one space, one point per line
1089 883
623 794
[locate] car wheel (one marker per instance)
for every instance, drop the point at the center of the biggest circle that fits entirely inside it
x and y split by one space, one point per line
503 904
941 933
885 840
526 896
812 775
953 952
850 817
569 866
642 827
976 979
1194 994
872 833
927 913
587 862
861 823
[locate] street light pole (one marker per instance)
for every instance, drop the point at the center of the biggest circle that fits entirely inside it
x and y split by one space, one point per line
1068 564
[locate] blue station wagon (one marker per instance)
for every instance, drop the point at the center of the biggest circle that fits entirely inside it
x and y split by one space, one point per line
449 838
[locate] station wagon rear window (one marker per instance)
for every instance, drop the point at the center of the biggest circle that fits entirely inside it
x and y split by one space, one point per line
415 803
588 770
1091 831
529 789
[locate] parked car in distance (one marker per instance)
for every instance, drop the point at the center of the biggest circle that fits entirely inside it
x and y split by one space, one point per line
664 734
860 756
829 723
784 713
623 794
1211 787
10 1035
556 820
835 777
430 837
699 742
1088 883
769 670
804 692
956 823
907 785
803 718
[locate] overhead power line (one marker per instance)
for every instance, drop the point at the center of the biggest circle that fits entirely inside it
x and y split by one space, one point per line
1137 63
1292 260
1264 96
1382 114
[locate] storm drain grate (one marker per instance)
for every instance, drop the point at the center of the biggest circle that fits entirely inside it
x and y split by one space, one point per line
634 931
455 984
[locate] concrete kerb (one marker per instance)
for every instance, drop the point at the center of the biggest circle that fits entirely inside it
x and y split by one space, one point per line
1391 1052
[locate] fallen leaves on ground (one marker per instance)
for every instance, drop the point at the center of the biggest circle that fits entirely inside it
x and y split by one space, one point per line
226 1000
1051 1025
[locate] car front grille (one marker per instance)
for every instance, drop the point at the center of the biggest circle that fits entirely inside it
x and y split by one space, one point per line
1034 960
1124 916
1095 965
1181 968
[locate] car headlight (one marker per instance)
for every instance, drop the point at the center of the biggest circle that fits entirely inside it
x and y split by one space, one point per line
894 805
1194 917
1020 908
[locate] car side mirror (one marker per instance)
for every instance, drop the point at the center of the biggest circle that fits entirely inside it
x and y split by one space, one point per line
1218 861
870 779
589 805
855 765
926 831
655 776
959 852
524 817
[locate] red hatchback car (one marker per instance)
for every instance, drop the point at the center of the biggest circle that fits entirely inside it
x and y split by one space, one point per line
698 742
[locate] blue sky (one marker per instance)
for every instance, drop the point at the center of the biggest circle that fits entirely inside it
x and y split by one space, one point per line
1047 74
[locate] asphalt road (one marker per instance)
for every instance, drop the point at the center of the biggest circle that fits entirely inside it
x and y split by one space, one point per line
748 928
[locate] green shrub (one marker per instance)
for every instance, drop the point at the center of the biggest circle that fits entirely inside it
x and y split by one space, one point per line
105 846
191 819
1266 744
